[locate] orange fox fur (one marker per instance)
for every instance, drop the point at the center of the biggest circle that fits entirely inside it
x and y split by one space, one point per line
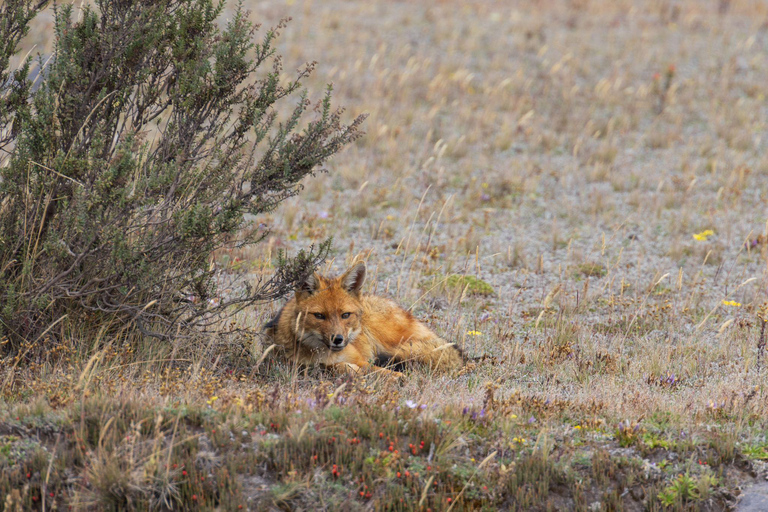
330 322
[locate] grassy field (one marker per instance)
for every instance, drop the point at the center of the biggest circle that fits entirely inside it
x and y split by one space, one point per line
572 191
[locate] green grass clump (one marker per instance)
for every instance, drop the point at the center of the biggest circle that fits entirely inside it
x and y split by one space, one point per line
755 451
469 285
687 489
591 269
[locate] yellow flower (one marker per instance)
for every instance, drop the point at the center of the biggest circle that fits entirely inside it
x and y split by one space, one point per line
731 303
474 333
704 235
213 399
577 427
513 416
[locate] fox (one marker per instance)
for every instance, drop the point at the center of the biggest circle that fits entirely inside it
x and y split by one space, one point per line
330 322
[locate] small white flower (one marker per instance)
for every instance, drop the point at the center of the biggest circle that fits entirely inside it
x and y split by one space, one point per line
411 404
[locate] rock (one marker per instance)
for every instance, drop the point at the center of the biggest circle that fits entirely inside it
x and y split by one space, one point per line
754 499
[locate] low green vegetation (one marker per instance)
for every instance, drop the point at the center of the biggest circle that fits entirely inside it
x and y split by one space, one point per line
469 285
349 448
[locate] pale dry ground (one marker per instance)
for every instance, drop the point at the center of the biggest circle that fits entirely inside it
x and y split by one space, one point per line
524 145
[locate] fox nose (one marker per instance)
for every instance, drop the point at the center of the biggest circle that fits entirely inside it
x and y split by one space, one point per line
337 339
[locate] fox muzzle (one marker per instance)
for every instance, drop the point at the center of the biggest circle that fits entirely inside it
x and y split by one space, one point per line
337 342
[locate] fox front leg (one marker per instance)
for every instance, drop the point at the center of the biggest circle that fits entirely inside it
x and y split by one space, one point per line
365 369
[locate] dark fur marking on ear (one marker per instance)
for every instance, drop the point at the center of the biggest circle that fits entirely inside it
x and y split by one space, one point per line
353 279
310 285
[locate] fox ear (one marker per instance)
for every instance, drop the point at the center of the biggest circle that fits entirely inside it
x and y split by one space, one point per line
353 279
307 287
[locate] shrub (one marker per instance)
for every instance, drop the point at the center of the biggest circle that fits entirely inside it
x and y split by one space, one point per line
151 133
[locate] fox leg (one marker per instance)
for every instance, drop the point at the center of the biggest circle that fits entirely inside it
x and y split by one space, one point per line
366 369
351 361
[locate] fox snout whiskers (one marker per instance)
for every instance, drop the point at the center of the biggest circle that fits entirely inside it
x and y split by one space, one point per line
313 342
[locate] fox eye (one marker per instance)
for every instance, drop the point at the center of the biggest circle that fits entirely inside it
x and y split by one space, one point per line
345 315
319 316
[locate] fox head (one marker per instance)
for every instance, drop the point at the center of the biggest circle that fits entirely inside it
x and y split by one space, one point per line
328 310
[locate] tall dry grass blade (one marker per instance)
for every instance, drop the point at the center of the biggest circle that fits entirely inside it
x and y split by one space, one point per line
469 480
335 394
425 491
48 471
57 173
264 355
